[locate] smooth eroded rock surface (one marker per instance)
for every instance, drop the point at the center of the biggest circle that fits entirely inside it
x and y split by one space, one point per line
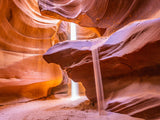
24 36
130 65
109 15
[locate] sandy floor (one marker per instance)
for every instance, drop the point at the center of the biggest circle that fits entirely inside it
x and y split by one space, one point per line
60 109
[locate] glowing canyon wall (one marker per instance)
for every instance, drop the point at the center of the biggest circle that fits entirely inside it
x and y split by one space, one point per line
105 15
129 57
24 36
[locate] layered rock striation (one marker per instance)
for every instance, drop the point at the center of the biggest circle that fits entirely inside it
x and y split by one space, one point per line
129 57
105 15
130 64
24 36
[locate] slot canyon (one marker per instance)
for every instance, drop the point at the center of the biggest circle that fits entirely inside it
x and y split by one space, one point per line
39 61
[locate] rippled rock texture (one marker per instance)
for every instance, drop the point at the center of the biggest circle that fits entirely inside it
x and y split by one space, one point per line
101 14
130 65
24 36
129 58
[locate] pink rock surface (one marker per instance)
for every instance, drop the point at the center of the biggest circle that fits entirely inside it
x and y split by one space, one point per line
24 36
110 14
129 61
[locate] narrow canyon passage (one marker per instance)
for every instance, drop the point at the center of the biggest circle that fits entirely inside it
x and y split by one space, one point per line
39 59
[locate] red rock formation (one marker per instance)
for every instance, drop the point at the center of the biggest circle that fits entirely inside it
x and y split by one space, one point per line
110 14
130 64
24 36
129 59
63 32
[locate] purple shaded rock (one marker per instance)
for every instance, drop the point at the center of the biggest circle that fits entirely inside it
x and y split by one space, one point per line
129 60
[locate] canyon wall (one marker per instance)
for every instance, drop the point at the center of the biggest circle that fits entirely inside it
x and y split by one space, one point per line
105 15
130 65
129 55
24 36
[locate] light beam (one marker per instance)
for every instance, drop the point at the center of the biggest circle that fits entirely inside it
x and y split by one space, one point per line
74 85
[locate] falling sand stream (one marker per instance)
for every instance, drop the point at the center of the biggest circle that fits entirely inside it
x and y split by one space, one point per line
97 73
98 76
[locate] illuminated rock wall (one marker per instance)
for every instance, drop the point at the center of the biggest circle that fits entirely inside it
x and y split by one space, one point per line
24 36
129 58
109 15
130 65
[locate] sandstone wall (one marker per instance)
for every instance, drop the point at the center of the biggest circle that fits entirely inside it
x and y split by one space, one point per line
24 36
129 57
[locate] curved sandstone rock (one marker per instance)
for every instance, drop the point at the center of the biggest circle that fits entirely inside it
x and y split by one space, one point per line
109 15
63 32
24 36
130 65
